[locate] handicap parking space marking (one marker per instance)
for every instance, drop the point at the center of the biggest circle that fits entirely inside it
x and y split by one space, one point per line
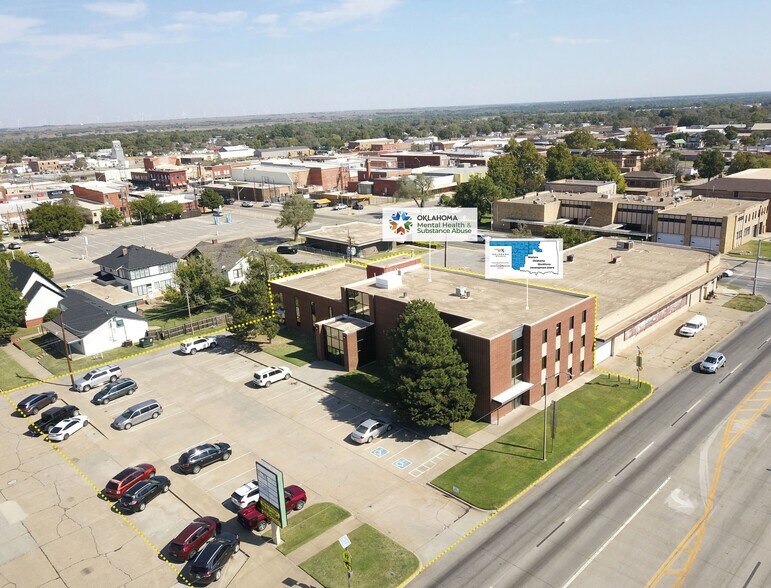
428 464
402 463
379 452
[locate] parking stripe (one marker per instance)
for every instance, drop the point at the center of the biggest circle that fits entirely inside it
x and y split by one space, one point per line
223 464
176 453
241 475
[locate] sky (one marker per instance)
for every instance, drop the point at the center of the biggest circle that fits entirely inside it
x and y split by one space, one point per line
70 62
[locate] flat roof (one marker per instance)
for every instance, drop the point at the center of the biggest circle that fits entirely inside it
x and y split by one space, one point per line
326 281
754 173
360 233
711 207
109 294
581 182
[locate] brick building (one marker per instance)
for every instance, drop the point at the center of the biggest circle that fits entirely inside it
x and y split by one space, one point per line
626 160
44 165
104 193
656 185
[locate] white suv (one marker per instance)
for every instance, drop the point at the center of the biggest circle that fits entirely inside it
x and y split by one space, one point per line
190 347
266 376
97 377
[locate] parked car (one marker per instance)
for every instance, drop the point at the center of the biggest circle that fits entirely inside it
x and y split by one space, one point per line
135 499
713 362
34 254
266 376
247 203
53 416
727 273
115 390
68 427
191 347
228 200
369 430
286 249
339 206
358 206
139 413
252 517
2 248
266 203
245 495
207 567
126 479
97 377
49 239
693 325
194 459
63 238
33 404
14 245
187 544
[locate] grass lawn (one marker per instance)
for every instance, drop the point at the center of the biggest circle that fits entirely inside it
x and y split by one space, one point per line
173 315
293 347
12 375
369 380
500 470
749 250
377 562
746 302
467 427
309 523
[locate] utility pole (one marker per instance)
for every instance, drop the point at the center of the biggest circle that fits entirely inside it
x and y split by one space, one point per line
189 314
757 262
62 308
569 374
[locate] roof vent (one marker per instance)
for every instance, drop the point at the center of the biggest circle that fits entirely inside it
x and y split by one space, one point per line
124 251
462 292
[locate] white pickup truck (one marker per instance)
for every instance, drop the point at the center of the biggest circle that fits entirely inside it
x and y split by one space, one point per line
190 347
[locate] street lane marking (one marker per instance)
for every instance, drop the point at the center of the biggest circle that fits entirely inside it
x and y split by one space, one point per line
649 445
402 463
554 530
379 452
626 466
678 418
694 405
749 579
612 537
583 504
736 368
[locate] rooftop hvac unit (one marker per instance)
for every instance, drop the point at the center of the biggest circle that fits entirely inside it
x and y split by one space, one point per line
462 292
569 258
625 245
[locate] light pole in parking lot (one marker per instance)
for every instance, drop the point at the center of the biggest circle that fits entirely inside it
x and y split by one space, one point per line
569 374
757 262
62 308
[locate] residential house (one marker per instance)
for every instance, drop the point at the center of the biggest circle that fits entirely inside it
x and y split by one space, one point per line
137 269
40 293
231 258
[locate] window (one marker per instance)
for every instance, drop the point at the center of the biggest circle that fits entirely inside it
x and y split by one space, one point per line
545 336
571 347
331 313
582 366
334 345
583 340
572 321
358 304
141 290
313 312
583 317
559 354
559 329
297 311
517 352
543 362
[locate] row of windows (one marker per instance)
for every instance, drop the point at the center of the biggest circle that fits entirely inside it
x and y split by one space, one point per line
558 355
146 272
558 328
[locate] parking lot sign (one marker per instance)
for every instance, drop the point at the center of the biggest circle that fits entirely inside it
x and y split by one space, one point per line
272 502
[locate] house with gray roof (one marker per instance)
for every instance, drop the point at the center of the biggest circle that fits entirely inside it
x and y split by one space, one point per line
137 269
40 293
231 258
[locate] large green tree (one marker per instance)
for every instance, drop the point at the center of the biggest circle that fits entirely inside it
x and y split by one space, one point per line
416 188
111 217
54 218
479 192
200 280
251 307
12 305
296 213
742 161
594 168
531 165
638 139
427 375
731 132
709 163
570 236
210 199
147 209
559 162
663 164
38 265
581 139
714 138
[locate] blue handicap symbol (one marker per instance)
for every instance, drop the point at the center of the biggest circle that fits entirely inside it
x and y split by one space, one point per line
379 451
402 463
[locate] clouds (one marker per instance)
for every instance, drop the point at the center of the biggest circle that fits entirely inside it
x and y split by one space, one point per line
223 19
119 10
14 28
343 12
573 41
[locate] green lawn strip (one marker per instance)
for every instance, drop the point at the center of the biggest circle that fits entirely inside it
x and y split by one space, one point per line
174 315
293 347
749 250
377 561
467 428
746 302
308 524
500 470
13 375
369 380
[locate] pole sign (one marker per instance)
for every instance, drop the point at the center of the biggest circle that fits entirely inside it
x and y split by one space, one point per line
271 483
523 259
429 224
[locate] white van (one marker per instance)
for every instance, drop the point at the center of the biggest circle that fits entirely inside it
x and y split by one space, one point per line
693 326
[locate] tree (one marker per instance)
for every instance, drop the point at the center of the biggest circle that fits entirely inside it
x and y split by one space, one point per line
111 217
296 213
709 163
570 236
559 162
147 209
479 192
714 138
417 188
171 210
640 140
210 199
80 163
251 306
611 144
594 168
503 172
671 137
428 377
581 139
663 164
742 161
731 132
200 280
531 166
750 140
52 219
520 231
12 305
688 120
67 178
38 265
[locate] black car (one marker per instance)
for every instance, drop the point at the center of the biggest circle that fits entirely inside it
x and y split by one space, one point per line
136 498
286 249
33 404
228 200
207 567
63 238
194 459
114 390
2 247
53 416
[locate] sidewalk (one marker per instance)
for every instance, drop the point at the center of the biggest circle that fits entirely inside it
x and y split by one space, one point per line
25 361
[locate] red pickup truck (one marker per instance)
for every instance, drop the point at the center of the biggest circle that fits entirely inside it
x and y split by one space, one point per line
252 518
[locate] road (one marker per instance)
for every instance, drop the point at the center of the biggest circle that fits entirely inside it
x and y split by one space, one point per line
612 515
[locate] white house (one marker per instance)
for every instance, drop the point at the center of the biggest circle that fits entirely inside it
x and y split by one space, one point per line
93 326
231 258
40 293
139 270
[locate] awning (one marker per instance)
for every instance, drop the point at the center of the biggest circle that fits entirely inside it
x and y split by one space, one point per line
322 201
517 389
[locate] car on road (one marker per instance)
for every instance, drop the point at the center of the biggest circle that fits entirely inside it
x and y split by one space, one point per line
14 245
135 499
247 203
49 239
728 273
126 479
358 206
97 377
66 428
33 404
63 238
252 517
713 362
266 203
245 495
188 543
115 390
286 249
266 376
191 347
139 413
369 430
228 200
192 460
207 567
34 254
53 416
694 325
339 206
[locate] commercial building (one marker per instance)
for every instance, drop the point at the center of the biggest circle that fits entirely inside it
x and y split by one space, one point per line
650 183
750 184
235 152
113 194
361 238
626 160
582 186
44 165
295 151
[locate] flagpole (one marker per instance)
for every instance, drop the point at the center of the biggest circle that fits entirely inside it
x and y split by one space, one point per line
527 294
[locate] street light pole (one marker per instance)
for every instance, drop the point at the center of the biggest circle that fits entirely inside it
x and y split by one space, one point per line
569 374
757 262
62 308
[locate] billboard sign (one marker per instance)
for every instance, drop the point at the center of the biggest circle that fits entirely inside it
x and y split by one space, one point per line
523 259
429 224
271 483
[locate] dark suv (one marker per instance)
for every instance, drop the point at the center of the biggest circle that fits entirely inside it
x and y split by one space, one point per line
53 416
33 404
115 390
136 498
194 459
207 567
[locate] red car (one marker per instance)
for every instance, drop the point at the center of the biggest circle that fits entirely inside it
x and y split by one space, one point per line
187 544
251 517
121 482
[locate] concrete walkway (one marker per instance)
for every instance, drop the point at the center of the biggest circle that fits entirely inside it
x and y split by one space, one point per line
25 361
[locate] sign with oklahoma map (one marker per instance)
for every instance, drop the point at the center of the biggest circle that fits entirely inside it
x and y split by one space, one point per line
523 259
429 224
